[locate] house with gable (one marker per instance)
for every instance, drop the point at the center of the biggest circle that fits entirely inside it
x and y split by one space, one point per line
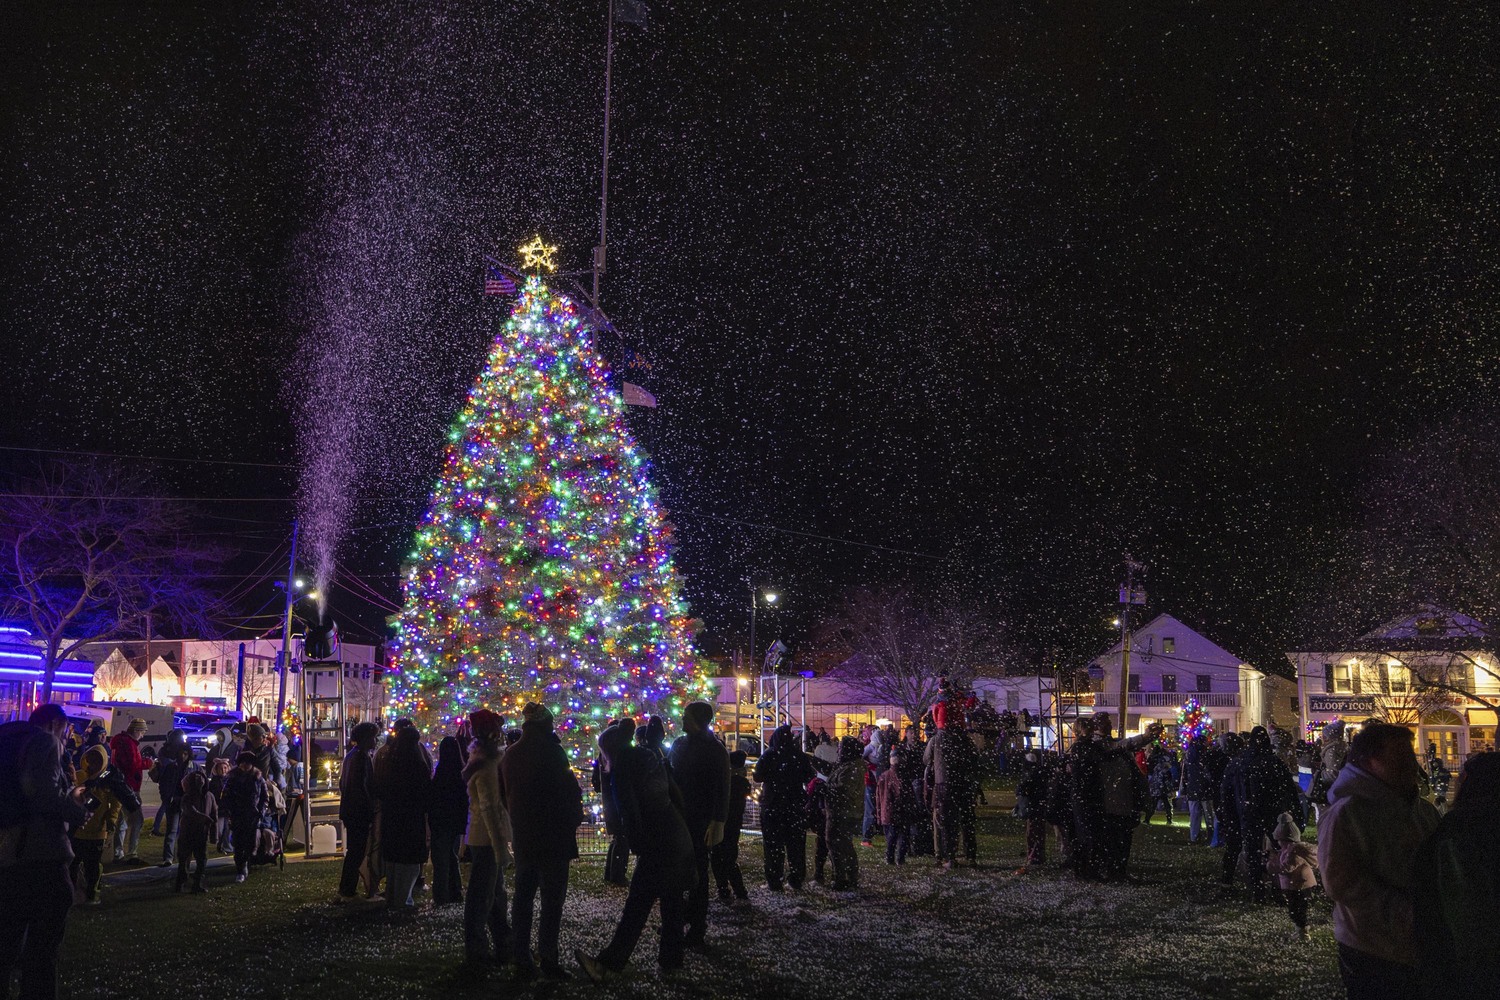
1170 662
1434 671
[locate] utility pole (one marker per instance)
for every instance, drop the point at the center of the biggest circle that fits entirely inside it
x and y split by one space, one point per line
1129 597
609 59
239 684
284 661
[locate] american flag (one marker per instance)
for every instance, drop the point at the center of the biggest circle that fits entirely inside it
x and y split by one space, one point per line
497 282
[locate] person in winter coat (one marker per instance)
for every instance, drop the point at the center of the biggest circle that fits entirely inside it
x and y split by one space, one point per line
783 773
404 786
726 854
244 801
35 852
1216 761
356 805
266 762
1295 865
90 838
700 766
1367 844
486 921
910 766
1264 791
447 815
199 815
817 821
1031 804
651 813
125 755
171 767
1161 783
653 736
894 808
875 755
617 857
1197 786
546 808
1119 806
1456 887
950 766
1228 809
846 787
1330 761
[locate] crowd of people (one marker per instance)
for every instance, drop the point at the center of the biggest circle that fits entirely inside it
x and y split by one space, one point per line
1411 890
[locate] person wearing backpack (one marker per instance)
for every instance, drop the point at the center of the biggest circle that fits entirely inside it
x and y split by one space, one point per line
37 805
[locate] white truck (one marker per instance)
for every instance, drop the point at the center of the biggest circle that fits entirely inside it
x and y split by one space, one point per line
115 716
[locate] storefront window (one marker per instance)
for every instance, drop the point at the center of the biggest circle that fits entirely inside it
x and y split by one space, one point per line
1481 739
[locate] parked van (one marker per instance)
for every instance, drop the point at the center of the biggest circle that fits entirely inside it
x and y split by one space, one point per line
115 716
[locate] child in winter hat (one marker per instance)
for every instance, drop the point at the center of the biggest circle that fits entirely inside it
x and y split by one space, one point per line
1295 864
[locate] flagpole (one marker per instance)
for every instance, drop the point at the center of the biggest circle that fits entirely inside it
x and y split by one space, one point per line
609 54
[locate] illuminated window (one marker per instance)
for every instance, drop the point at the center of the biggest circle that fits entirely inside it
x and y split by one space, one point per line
1398 677
1168 644
1343 678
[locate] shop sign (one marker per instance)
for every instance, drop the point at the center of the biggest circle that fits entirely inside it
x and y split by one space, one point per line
1341 704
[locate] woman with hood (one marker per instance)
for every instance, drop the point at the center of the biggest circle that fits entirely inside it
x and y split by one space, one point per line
405 789
90 838
200 817
783 774
448 815
486 920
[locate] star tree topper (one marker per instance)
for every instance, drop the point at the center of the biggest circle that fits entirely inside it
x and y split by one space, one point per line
537 255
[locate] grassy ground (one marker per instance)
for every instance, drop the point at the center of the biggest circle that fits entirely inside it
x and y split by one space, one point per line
967 933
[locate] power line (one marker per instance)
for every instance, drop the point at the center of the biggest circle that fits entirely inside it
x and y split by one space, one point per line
149 458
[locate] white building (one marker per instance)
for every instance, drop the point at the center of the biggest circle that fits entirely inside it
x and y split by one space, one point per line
204 673
840 708
1422 671
1170 662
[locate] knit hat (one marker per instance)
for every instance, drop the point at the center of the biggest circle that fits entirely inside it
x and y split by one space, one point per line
699 714
255 731
539 714
482 720
737 759
245 757
136 726
1286 831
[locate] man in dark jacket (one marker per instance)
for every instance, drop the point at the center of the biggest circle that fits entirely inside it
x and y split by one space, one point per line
700 766
950 767
783 774
650 808
35 893
1264 791
1086 799
1215 761
1196 787
545 805
1229 813
356 806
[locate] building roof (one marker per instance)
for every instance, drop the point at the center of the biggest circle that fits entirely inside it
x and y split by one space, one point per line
1166 621
1430 628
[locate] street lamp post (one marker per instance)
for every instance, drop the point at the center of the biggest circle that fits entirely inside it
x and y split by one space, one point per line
754 602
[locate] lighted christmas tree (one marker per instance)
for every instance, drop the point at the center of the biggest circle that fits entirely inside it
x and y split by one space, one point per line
542 570
1193 721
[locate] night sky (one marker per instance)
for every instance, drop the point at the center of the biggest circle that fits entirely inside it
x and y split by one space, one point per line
1011 288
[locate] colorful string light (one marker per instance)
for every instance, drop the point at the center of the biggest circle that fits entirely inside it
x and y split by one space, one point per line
1193 721
542 570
